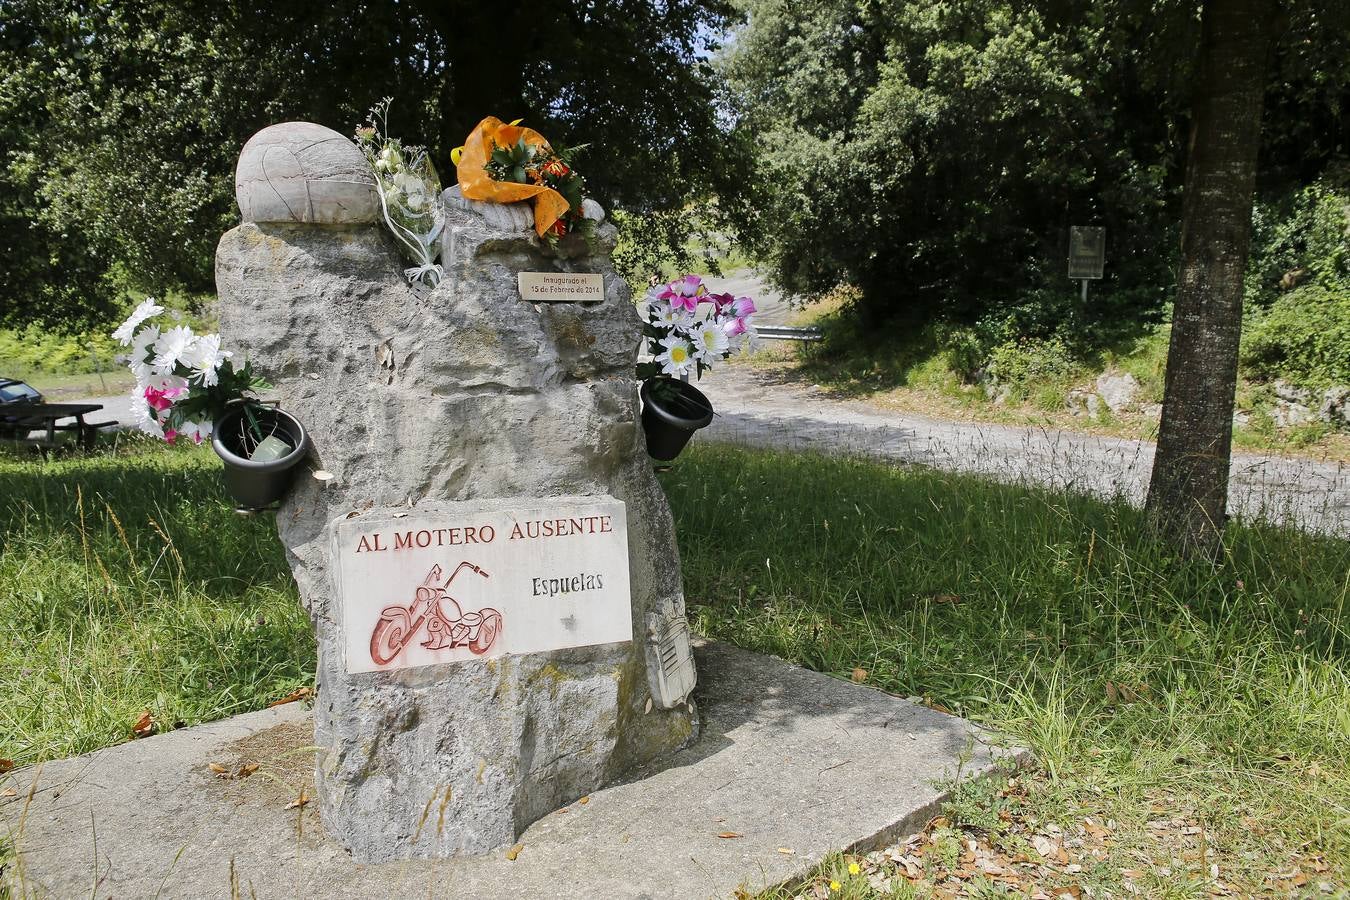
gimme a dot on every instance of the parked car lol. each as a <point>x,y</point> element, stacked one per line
<point>14,393</point>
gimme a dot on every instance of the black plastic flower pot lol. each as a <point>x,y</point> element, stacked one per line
<point>671,412</point>
<point>252,483</point>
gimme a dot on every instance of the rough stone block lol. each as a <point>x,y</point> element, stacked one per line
<point>416,397</point>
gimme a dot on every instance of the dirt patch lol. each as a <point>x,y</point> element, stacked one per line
<point>273,768</point>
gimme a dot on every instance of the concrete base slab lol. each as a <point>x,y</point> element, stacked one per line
<point>792,765</point>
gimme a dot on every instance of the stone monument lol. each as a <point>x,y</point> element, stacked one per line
<point>487,558</point>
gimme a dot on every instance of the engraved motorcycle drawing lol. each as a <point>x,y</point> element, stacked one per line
<point>446,623</point>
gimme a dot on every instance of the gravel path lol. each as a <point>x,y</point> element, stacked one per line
<point>768,410</point>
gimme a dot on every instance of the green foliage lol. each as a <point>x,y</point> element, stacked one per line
<point>1297,323</point>
<point>1300,236</point>
<point>1298,286</point>
<point>666,243</point>
<point>121,122</point>
<point>36,350</point>
<point>975,803</point>
<point>934,155</point>
<point>33,350</point>
<point>1020,362</point>
<point>1304,337</point>
<point>127,582</point>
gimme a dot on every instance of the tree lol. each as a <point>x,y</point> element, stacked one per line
<point>934,155</point>
<point>122,120</point>
<point>1188,492</point>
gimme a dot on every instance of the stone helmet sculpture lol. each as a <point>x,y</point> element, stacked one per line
<point>303,172</point>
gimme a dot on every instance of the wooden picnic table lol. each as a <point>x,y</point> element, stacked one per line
<point>18,419</point>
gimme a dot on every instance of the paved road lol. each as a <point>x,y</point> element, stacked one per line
<point>771,410</point>
<point>765,409</point>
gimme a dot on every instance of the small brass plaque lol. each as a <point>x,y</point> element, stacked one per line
<point>562,287</point>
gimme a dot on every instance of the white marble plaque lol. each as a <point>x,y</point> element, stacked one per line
<point>561,287</point>
<point>481,580</point>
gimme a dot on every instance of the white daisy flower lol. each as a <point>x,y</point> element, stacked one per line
<point>171,347</point>
<point>671,317</point>
<point>143,417</point>
<point>678,355</point>
<point>140,349</point>
<point>147,308</point>
<point>204,356</point>
<point>710,340</point>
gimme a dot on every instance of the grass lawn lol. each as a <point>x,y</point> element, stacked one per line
<point>1192,717</point>
<point>127,584</point>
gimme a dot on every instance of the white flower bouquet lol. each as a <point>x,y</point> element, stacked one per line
<point>410,195</point>
<point>184,381</point>
<point>689,329</point>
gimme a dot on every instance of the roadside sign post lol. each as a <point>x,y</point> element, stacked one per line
<point>1087,253</point>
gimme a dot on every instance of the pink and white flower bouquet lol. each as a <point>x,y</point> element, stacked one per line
<point>184,380</point>
<point>689,329</point>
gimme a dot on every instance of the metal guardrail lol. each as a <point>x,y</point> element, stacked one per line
<point>788,333</point>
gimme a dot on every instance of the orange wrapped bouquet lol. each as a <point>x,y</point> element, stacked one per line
<point>508,163</point>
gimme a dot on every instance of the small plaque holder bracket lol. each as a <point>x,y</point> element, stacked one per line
<point>670,661</point>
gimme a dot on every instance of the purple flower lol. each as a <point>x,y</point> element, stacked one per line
<point>684,293</point>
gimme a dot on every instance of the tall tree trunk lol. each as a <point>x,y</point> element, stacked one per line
<point>1188,493</point>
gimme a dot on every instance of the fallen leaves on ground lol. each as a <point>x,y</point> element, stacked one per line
<point>300,800</point>
<point>1076,860</point>
<point>729,834</point>
<point>9,792</point>
<point>859,675</point>
<point>6,765</point>
<point>243,771</point>
<point>144,725</point>
<point>514,851</point>
<point>303,693</point>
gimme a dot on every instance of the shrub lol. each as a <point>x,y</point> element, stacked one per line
<point>1297,238</point>
<point>31,350</point>
<point>1019,362</point>
<point>1304,337</point>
